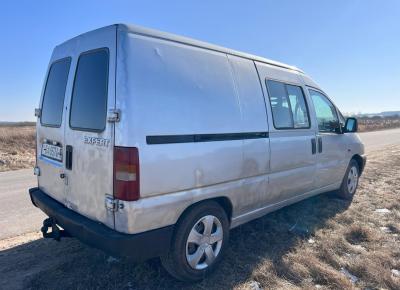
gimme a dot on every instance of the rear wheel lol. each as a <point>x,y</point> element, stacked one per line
<point>200,239</point>
<point>350,181</point>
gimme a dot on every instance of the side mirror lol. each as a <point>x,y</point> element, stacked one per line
<point>351,125</point>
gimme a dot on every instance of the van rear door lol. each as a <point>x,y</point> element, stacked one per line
<point>89,136</point>
<point>50,128</point>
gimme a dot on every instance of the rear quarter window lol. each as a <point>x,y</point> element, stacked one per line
<point>54,93</point>
<point>89,97</point>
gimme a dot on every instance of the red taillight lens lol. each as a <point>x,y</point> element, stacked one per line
<point>126,173</point>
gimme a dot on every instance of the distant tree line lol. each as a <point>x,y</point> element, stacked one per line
<point>372,123</point>
<point>17,124</point>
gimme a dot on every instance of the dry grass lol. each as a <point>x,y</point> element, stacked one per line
<point>367,124</point>
<point>17,147</point>
<point>331,236</point>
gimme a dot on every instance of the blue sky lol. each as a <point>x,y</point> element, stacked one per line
<point>350,47</point>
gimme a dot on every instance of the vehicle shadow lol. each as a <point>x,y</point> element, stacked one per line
<point>47,264</point>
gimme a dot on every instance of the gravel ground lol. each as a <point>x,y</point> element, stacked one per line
<point>320,243</point>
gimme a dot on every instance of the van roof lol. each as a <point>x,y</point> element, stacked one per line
<point>186,40</point>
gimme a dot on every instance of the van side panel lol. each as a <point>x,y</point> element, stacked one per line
<point>166,88</point>
<point>173,89</point>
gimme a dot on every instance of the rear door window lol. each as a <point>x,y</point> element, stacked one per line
<point>289,108</point>
<point>54,93</point>
<point>89,97</point>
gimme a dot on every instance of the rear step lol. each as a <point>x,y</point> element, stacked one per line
<point>56,233</point>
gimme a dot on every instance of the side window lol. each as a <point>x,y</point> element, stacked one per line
<point>89,97</point>
<point>54,93</point>
<point>298,106</point>
<point>280,105</point>
<point>326,112</point>
<point>289,109</point>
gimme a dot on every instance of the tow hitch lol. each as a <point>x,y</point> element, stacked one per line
<point>56,233</point>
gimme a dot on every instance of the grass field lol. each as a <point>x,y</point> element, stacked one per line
<point>17,147</point>
<point>320,243</point>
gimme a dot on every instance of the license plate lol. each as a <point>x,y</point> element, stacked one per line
<point>52,151</point>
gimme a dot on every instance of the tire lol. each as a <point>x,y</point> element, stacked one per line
<point>350,181</point>
<point>204,246</point>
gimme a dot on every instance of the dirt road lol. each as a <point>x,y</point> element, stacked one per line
<point>380,139</point>
<point>17,215</point>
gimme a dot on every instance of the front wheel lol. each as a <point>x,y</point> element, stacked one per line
<point>200,239</point>
<point>350,181</point>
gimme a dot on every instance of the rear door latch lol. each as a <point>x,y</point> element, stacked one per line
<point>64,177</point>
<point>113,204</point>
<point>114,115</point>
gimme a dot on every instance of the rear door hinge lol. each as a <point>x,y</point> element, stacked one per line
<point>36,171</point>
<point>38,112</point>
<point>114,115</point>
<point>113,204</point>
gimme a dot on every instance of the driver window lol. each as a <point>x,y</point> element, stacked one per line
<point>326,112</point>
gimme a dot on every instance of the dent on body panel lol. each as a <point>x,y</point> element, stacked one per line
<point>164,210</point>
<point>254,186</point>
<point>123,98</point>
<point>168,168</point>
<point>49,180</point>
<point>89,179</point>
<point>254,117</point>
<point>255,157</point>
<point>178,89</point>
<point>172,89</point>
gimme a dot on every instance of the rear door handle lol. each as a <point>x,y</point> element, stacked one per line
<point>68,157</point>
<point>319,144</point>
<point>313,146</point>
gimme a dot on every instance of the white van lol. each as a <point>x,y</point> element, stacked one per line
<point>151,144</point>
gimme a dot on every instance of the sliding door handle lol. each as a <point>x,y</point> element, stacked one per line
<point>313,146</point>
<point>319,144</point>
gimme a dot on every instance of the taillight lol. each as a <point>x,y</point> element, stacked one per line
<point>126,173</point>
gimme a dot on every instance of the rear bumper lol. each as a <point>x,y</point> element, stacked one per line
<point>138,247</point>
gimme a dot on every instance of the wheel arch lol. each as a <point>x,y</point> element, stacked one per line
<point>359,161</point>
<point>223,201</point>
